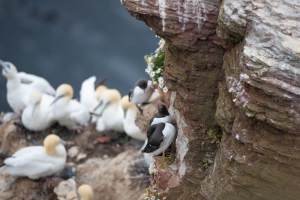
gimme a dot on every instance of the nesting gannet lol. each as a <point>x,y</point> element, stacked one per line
<point>20,85</point>
<point>37,115</point>
<point>90,94</point>
<point>67,111</point>
<point>110,112</point>
<point>37,161</point>
<point>130,114</point>
<point>162,116</point>
<point>159,138</point>
<point>141,92</point>
<point>86,192</point>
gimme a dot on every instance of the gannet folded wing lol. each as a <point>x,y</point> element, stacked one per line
<point>37,82</point>
<point>87,93</point>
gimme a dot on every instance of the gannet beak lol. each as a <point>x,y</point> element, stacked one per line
<point>94,114</point>
<point>2,63</point>
<point>98,106</point>
<point>56,99</point>
<point>130,95</point>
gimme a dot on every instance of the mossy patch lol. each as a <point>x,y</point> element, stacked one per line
<point>153,194</point>
<point>215,134</point>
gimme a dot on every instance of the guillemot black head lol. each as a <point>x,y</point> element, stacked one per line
<point>142,84</point>
<point>162,110</point>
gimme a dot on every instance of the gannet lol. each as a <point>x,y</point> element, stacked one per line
<point>162,115</point>
<point>159,138</point>
<point>36,162</point>
<point>90,94</point>
<point>141,92</point>
<point>86,192</point>
<point>130,114</point>
<point>110,112</point>
<point>20,85</point>
<point>37,116</point>
<point>67,111</point>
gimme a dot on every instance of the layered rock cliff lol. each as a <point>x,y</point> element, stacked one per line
<point>233,69</point>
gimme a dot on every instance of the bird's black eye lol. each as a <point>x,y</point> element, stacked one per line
<point>142,84</point>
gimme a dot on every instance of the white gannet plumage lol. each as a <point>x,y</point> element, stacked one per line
<point>39,83</point>
<point>36,162</point>
<point>67,111</point>
<point>130,115</point>
<point>110,111</point>
<point>20,86</point>
<point>88,93</point>
<point>37,116</point>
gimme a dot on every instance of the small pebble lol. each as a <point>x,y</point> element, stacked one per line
<point>81,156</point>
<point>73,152</point>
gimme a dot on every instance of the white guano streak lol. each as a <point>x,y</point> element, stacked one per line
<point>162,4</point>
<point>191,9</point>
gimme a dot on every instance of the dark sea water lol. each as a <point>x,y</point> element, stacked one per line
<point>67,41</point>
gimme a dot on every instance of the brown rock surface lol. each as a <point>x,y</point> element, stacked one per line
<point>117,178</point>
<point>250,49</point>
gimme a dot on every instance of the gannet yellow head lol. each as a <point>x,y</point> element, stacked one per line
<point>86,192</point>
<point>99,91</point>
<point>35,97</point>
<point>50,144</point>
<point>125,103</point>
<point>63,91</point>
<point>9,70</point>
<point>113,95</point>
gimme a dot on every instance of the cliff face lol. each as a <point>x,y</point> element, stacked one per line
<point>231,67</point>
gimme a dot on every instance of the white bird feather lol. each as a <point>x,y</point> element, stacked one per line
<point>34,162</point>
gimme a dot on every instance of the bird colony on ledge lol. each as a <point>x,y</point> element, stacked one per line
<point>38,106</point>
